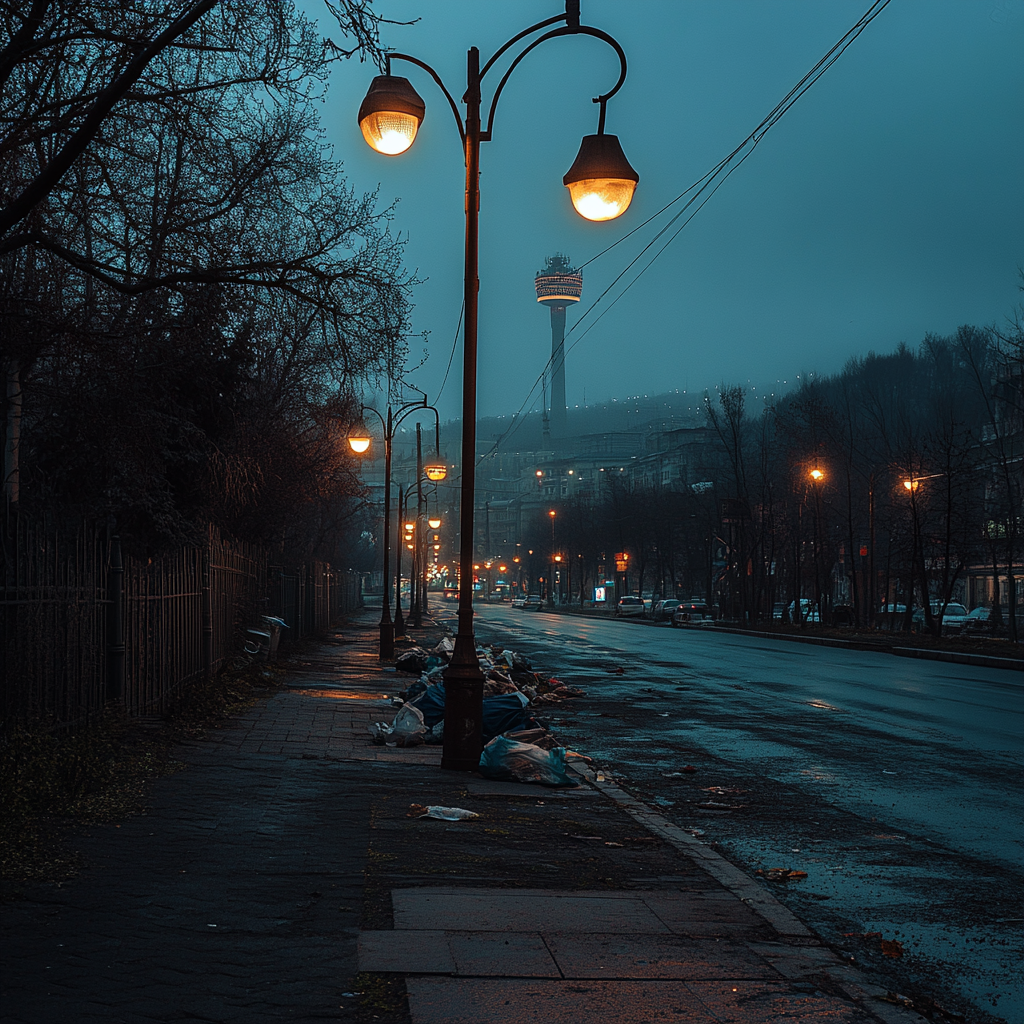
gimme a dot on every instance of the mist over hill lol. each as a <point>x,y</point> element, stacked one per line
<point>639,413</point>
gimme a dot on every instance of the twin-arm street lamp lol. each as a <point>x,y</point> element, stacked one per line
<point>359,441</point>
<point>601,185</point>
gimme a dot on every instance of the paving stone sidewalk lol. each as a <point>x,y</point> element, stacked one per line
<point>281,862</point>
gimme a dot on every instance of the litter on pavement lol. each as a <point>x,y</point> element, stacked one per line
<point>508,760</point>
<point>518,745</point>
<point>440,813</point>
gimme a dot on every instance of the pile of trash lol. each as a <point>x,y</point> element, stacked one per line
<point>504,672</point>
<point>518,745</point>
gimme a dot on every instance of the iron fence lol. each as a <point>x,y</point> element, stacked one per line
<point>80,626</point>
<point>53,628</point>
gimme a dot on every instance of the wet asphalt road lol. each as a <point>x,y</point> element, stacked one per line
<point>895,783</point>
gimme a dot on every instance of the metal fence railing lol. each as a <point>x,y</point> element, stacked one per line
<point>81,625</point>
<point>53,627</point>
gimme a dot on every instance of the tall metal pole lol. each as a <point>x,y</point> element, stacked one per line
<point>399,621</point>
<point>387,630</point>
<point>464,682</point>
<point>871,588</point>
<point>417,540</point>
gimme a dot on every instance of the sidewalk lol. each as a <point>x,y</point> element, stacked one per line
<point>279,877</point>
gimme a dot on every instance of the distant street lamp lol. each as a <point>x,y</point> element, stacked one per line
<point>359,441</point>
<point>601,185</point>
<point>551,576</point>
<point>817,476</point>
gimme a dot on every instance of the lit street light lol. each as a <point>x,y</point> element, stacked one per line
<point>601,184</point>
<point>359,441</point>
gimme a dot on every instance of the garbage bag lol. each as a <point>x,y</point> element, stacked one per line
<point>408,730</point>
<point>501,713</point>
<point>431,704</point>
<point>505,712</point>
<point>511,761</point>
<point>521,663</point>
<point>412,660</point>
<point>380,732</point>
<point>415,689</point>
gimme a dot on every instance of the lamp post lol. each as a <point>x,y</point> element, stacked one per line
<point>601,184</point>
<point>551,562</point>
<point>359,441</point>
<point>817,476</point>
<point>434,522</point>
<point>911,485</point>
<point>400,539</point>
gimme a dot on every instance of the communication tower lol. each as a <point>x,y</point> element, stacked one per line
<point>557,286</point>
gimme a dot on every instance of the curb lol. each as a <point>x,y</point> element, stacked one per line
<point>788,926</point>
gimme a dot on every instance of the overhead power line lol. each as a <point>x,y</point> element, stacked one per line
<point>710,183</point>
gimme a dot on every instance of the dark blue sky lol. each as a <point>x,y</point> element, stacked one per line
<point>888,203</point>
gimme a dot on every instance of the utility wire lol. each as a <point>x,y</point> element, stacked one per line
<point>749,144</point>
<point>455,344</point>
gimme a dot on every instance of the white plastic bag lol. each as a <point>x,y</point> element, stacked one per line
<point>408,729</point>
<point>441,813</point>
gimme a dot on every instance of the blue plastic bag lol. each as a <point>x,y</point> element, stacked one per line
<point>511,761</point>
<point>505,712</point>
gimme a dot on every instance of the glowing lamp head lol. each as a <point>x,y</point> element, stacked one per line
<point>601,183</point>
<point>409,527</point>
<point>436,471</point>
<point>816,475</point>
<point>434,522</point>
<point>391,114</point>
<point>359,441</point>
<point>911,485</point>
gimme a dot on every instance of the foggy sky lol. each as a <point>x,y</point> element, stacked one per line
<point>888,203</point>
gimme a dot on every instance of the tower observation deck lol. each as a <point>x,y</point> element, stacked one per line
<point>557,286</point>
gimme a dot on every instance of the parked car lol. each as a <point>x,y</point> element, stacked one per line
<point>952,622</point>
<point>979,623</point>
<point>690,613</point>
<point>518,601</point>
<point>662,611</point>
<point>630,606</point>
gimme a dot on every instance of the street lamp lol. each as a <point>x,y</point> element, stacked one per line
<point>600,184</point>
<point>359,441</point>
